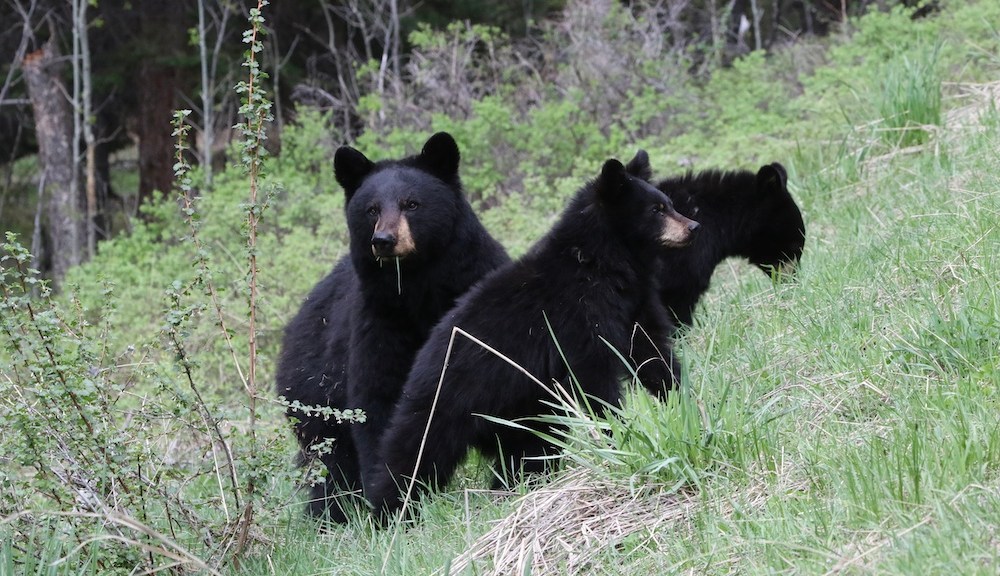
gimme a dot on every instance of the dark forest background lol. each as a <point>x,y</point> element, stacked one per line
<point>89,87</point>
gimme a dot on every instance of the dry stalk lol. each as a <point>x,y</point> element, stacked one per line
<point>562,527</point>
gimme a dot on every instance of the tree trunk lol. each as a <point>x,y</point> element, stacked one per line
<point>53,129</point>
<point>755,13</point>
<point>157,85</point>
<point>772,34</point>
<point>91,196</point>
<point>84,120</point>
<point>207,95</point>
<point>163,39</point>
<point>105,131</point>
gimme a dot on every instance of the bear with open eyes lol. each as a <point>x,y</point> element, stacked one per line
<point>415,247</point>
<point>742,214</point>
<point>559,313</point>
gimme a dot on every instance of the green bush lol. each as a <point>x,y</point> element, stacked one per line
<point>121,440</point>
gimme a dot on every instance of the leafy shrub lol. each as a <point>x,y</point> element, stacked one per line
<point>137,440</point>
<point>116,440</point>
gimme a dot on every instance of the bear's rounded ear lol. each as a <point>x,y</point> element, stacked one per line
<point>639,166</point>
<point>350,167</point>
<point>611,181</point>
<point>440,156</point>
<point>772,178</point>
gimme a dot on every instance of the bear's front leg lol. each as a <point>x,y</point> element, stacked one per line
<point>380,356</point>
<point>413,451</point>
<point>652,351</point>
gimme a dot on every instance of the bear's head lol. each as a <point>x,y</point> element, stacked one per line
<point>401,209</point>
<point>780,237</point>
<point>644,215</point>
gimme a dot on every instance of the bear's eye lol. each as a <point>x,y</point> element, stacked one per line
<point>658,208</point>
<point>411,205</point>
<point>372,210</point>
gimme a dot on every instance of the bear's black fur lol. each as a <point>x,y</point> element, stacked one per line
<point>557,311</point>
<point>742,214</point>
<point>415,247</point>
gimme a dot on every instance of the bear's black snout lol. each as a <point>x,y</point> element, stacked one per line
<point>383,243</point>
<point>693,226</point>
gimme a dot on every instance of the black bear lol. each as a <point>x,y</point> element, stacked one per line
<point>558,313</point>
<point>415,247</point>
<point>742,214</point>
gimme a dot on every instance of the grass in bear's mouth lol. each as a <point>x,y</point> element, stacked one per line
<point>399,271</point>
<point>399,278</point>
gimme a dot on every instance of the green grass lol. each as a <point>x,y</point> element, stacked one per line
<point>911,98</point>
<point>854,413</point>
<point>856,409</point>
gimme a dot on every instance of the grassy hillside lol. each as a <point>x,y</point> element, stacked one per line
<point>846,422</point>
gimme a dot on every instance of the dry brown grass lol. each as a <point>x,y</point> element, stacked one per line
<point>560,528</point>
<point>563,527</point>
<point>977,99</point>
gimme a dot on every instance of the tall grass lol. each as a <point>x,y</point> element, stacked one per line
<point>910,102</point>
<point>844,422</point>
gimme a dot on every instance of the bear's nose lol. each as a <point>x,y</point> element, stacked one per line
<point>383,242</point>
<point>693,226</point>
